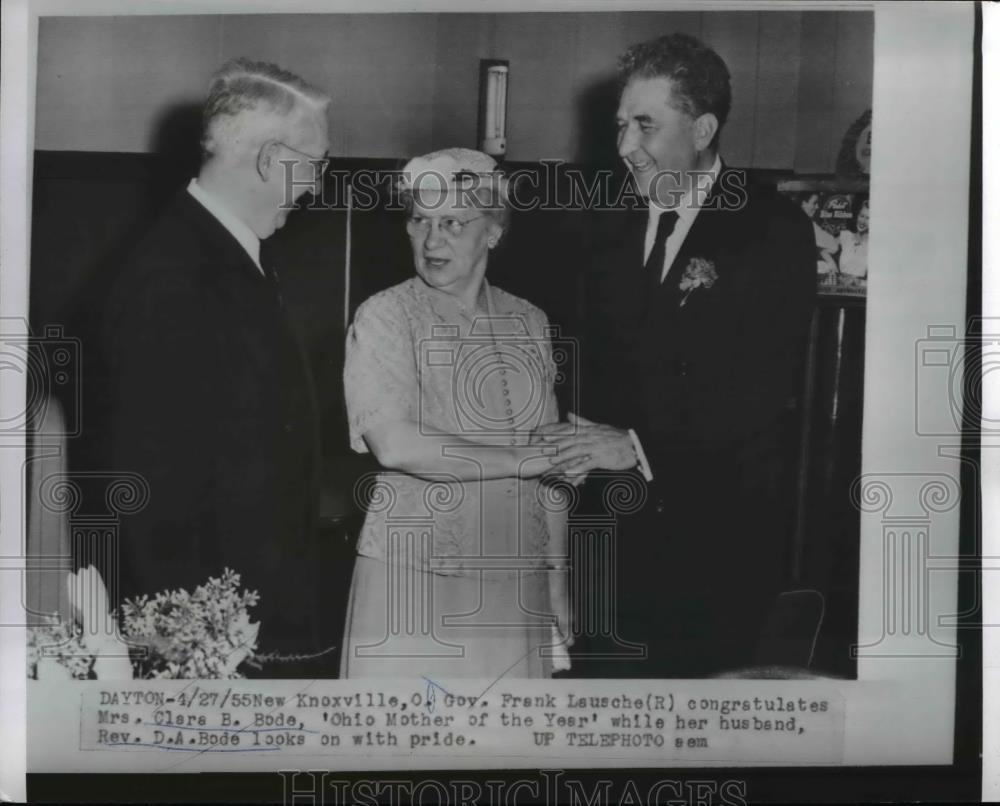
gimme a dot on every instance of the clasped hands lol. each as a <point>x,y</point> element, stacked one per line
<point>581,446</point>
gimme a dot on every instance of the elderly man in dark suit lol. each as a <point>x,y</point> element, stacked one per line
<point>207,394</point>
<point>697,310</point>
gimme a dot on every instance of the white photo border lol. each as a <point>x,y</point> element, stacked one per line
<point>921,168</point>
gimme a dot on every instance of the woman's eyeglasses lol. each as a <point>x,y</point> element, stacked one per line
<point>453,227</point>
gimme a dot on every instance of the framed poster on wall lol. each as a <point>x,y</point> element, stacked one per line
<point>838,209</point>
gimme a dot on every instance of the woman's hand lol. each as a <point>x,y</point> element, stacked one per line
<point>425,452</point>
<point>535,461</point>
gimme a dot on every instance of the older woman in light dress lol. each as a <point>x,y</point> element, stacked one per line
<point>461,568</point>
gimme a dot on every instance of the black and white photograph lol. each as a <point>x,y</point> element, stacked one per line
<point>480,388</point>
<point>839,214</point>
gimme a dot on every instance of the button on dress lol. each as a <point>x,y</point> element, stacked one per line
<point>450,578</point>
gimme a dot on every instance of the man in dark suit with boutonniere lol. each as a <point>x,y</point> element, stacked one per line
<point>207,393</point>
<point>697,311</point>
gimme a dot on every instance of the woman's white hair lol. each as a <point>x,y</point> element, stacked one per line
<point>249,101</point>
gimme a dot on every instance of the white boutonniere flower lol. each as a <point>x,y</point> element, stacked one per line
<point>699,273</point>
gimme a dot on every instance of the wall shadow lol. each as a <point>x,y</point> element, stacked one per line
<point>595,120</point>
<point>176,141</point>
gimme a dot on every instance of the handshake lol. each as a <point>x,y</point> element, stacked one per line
<point>574,448</point>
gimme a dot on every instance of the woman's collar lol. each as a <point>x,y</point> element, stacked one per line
<point>446,303</point>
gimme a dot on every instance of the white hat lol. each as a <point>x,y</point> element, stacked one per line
<point>449,168</point>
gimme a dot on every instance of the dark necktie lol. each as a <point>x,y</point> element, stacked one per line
<point>270,272</point>
<point>654,263</point>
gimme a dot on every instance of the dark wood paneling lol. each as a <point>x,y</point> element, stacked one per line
<point>826,556</point>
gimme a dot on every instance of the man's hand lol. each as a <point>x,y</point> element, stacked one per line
<point>548,433</point>
<point>559,600</point>
<point>585,446</point>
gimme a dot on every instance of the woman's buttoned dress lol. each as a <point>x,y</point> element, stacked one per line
<point>450,579</point>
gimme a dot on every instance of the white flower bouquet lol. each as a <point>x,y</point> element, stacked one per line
<point>204,634</point>
<point>79,649</point>
<point>56,652</point>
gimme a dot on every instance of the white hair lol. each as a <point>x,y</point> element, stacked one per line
<point>251,101</point>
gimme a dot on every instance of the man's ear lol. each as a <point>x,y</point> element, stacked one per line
<point>265,157</point>
<point>705,127</point>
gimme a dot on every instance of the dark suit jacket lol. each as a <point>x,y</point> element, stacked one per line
<point>707,385</point>
<point>206,394</point>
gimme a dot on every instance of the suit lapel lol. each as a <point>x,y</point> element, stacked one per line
<point>620,281</point>
<point>634,239</point>
<point>716,230</point>
<point>702,241</point>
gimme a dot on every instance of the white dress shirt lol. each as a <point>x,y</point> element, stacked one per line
<point>687,211</point>
<point>240,231</point>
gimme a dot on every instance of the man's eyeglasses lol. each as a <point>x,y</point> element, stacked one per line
<point>320,164</point>
<point>453,227</point>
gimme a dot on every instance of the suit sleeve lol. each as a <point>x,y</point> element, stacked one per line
<point>164,375</point>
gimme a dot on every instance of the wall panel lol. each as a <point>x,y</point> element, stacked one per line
<point>733,35</point>
<point>775,119</point>
<point>403,84</point>
<point>108,83</point>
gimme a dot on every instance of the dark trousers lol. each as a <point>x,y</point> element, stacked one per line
<point>694,581</point>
